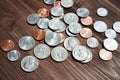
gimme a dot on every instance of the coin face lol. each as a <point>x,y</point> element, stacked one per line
<point>67,3</point>
<point>70,34</point>
<point>87,21</point>
<point>102,12</point>
<point>43,23</point>
<point>42,51</point>
<point>59,54</point>
<point>110,44</point>
<point>86,32</point>
<point>26,43</point>
<point>116,26</point>
<point>92,42</point>
<point>7,45</point>
<point>82,12</point>
<point>110,33</point>
<point>49,1</point>
<point>62,27</point>
<point>29,63</point>
<point>43,12</point>
<point>32,19</point>
<point>70,43</point>
<point>13,55</point>
<point>62,37</point>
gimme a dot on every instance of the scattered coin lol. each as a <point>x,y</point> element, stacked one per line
<point>57,3</point>
<point>110,33</point>
<point>43,23</point>
<point>29,63</point>
<point>33,19</point>
<point>86,32</point>
<point>62,27</point>
<point>92,42</point>
<point>67,3</point>
<point>7,45</point>
<point>102,12</point>
<point>43,12</point>
<point>70,34</point>
<point>58,17</point>
<point>87,21</point>
<point>47,31</point>
<point>82,12</point>
<point>62,37</point>
<point>49,1</point>
<point>116,26</point>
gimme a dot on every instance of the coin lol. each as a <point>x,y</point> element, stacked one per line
<point>100,26</point>
<point>26,43</point>
<point>32,19</point>
<point>86,32</point>
<point>43,12</point>
<point>110,33</point>
<point>62,27</point>
<point>67,3</point>
<point>110,44</point>
<point>70,34</point>
<point>49,1</point>
<point>57,3</point>
<point>29,63</point>
<point>116,26</point>
<point>82,12</point>
<point>58,17</point>
<point>13,55</point>
<point>105,55</point>
<point>43,23</point>
<point>70,43</point>
<point>92,42</point>
<point>7,45</point>
<point>47,31</point>
<point>39,34</point>
<point>62,37</point>
<point>59,54</point>
<point>102,12</point>
<point>42,51</point>
<point>87,21</point>
<point>70,18</point>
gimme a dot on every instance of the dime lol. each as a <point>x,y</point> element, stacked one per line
<point>49,1</point>
<point>29,63</point>
<point>116,26</point>
<point>33,19</point>
<point>92,42</point>
<point>43,23</point>
<point>86,32</point>
<point>62,27</point>
<point>87,21</point>
<point>43,12</point>
<point>102,12</point>
<point>42,51</point>
<point>13,55</point>
<point>57,3</point>
<point>67,3</point>
<point>70,43</point>
<point>110,33</point>
<point>70,34</point>
<point>59,54</point>
<point>62,37</point>
<point>26,43</point>
<point>82,12</point>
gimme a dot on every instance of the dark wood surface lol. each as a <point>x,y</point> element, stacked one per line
<point>13,26</point>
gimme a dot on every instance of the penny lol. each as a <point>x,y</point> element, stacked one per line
<point>86,32</point>
<point>57,3</point>
<point>92,42</point>
<point>43,23</point>
<point>43,12</point>
<point>62,37</point>
<point>105,55</point>
<point>102,12</point>
<point>29,63</point>
<point>110,33</point>
<point>7,45</point>
<point>39,34</point>
<point>32,19</point>
<point>70,34</point>
<point>67,3</point>
<point>13,55</point>
<point>87,21</point>
<point>49,1</point>
<point>116,26</point>
<point>82,12</point>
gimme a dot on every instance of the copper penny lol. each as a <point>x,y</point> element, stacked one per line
<point>62,37</point>
<point>39,34</point>
<point>105,55</point>
<point>43,12</point>
<point>86,32</point>
<point>87,21</point>
<point>57,3</point>
<point>7,45</point>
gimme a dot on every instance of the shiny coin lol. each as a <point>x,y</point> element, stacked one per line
<point>62,27</point>
<point>116,26</point>
<point>42,51</point>
<point>69,33</point>
<point>49,1</point>
<point>13,55</point>
<point>86,32</point>
<point>59,54</point>
<point>47,31</point>
<point>87,21</point>
<point>58,17</point>
<point>7,45</point>
<point>71,18</point>
<point>102,12</point>
<point>67,3</point>
<point>110,44</point>
<point>110,33</point>
<point>26,43</point>
<point>62,37</point>
<point>70,43</point>
<point>92,42</point>
<point>43,23</point>
<point>29,63</point>
<point>33,19</point>
<point>105,55</point>
<point>57,3</point>
<point>82,12</point>
<point>43,12</point>
<point>100,26</point>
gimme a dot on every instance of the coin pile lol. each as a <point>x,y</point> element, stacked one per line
<point>51,31</point>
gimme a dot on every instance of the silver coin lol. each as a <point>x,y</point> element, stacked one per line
<point>70,18</point>
<point>100,26</point>
<point>29,63</point>
<point>110,33</point>
<point>67,3</point>
<point>116,26</point>
<point>59,17</point>
<point>70,43</point>
<point>110,44</point>
<point>92,42</point>
<point>42,51</point>
<point>33,19</point>
<point>13,55</point>
<point>59,54</point>
<point>49,1</point>
<point>47,31</point>
<point>26,43</point>
<point>102,12</point>
<point>82,12</point>
<point>70,34</point>
<point>43,23</point>
<point>52,39</point>
<point>75,28</point>
<point>62,27</point>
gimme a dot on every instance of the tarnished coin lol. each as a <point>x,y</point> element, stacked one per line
<point>62,27</point>
<point>110,33</point>
<point>62,37</point>
<point>49,1</point>
<point>70,34</point>
<point>43,23</point>
<point>43,12</point>
<point>100,26</point>
<point>110,44</point>
<point>13,55</point>
<point>92,42</point>
<point>116,26</point>
<point>102,12</point>
<point>42,51</point>
<point>87,21</point>
<point>26,43</point>
<point>71,18</point>
<point>82,12</point>
<point>67,3</point>
<point>33,19</point>
<point>59,54</point>
<point>70,43</point>
<point>57,3</point>
<point>58,17</point>
<point>29,63</point>
<point>86,32</point>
